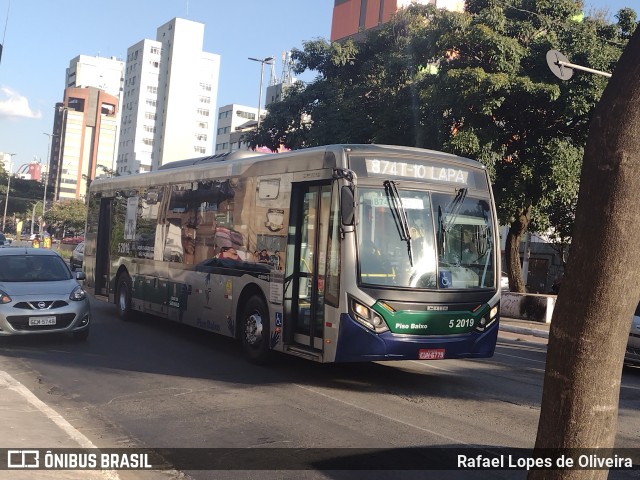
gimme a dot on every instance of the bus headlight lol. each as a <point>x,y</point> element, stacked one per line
<point>488,319</point>
<point>366,317</point>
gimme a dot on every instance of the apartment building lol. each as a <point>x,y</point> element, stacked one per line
<point>233,120</point>
<point>169,99</point>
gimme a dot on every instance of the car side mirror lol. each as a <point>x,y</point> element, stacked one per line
<point>81,276</point>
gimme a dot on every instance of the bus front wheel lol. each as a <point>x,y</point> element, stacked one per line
<point>254,330</point>
<point>123,297</point>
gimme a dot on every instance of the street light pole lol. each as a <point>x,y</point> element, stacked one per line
<point>268,61</point>
<point>46,178</point>
<point>6,200</point>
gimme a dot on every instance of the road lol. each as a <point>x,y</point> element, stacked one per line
<point>156,384</point>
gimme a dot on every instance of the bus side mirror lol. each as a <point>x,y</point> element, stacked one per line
<point>347,205</point>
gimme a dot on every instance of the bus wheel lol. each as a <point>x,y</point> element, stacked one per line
<point>254,331</point>
<point>123,297</point>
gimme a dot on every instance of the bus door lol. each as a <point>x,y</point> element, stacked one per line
<point>306,264</point>
<point>102,247</point>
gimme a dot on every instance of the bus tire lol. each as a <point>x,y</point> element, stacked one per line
<point>254,330</point>
<point>123,297</point>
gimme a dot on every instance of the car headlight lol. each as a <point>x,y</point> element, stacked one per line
<point>78,294</point>
<point>4,298</point>
<point>367,317</point>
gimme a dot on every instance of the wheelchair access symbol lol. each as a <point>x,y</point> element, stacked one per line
<point>23,459</point>
<point>445,279</point>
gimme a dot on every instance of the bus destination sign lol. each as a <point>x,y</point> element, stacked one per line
<point>416,171</point>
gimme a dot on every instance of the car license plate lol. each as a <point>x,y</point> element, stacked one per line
<point>431,354</point>
<point>35,321</point>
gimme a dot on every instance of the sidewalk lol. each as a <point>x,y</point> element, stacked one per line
<point>30,424</point>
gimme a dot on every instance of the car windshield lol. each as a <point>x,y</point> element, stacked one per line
<point>447,240</point>
<point>33,268</point>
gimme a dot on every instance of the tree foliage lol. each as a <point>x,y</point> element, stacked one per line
<point>475,84</point>
<point>68,215</point>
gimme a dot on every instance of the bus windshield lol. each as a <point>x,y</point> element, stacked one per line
<point>449,243</point>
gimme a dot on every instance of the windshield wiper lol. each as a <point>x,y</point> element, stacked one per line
<point>399,215</point>
<point>447,219</point>
<point>452,210</point>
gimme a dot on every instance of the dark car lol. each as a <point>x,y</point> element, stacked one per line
<point>39,295</point>
<point>3,240</point>
<point>77,257</point>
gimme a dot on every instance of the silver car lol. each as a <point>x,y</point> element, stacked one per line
<point>632,355</point>
<point>39,294</point>
<point>77,257</point>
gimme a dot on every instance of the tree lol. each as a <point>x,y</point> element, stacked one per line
<point>495,99</point>
<point>474,83</point>
<point>70,215</point>
<point>591,319</point>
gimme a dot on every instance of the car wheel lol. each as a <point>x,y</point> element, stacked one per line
<point>82,335</point>
<point>254,330</point>
<point>123,297</point>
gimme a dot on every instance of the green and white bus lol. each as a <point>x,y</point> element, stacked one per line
<point>342,253</point>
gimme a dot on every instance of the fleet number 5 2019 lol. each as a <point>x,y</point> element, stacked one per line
<point>461,323</point>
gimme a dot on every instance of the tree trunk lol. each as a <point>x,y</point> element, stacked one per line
<point>600,290</point>
<point>512,249</point>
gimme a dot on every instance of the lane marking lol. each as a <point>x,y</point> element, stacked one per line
<point>7,381</point>
<point>521,358</point>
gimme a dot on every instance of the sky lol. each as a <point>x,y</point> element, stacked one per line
<point>42,36</point>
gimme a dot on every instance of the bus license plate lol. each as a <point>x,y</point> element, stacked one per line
<point>431,354</point>
<point>35,321</point>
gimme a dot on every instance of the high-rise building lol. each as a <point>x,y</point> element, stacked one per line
<point>169,99</point>
<point>351,17</point>
<point>104,73</point>
<point>83,142</point>
<point>85,125</point>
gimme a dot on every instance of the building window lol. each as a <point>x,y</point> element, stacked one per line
<point>205,86</point>
<point>200,149</point>
<point>155,50</point>
<point>204,125</point>
<point>247,115</point>
<point>203,111</point>
<point>201,137</point>
<point>206,100</point>
<point>151,102</point>
<point>152,89</point>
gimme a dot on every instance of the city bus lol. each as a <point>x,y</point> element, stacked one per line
<point>341,253</point>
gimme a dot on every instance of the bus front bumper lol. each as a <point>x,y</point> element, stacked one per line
<point>358,344</point>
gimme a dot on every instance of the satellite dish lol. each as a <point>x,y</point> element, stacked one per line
<point>556,62</point>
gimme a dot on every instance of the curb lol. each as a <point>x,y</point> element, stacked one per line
<point>524,331</point>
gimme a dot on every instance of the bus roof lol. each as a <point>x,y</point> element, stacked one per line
<point>255,157</point>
